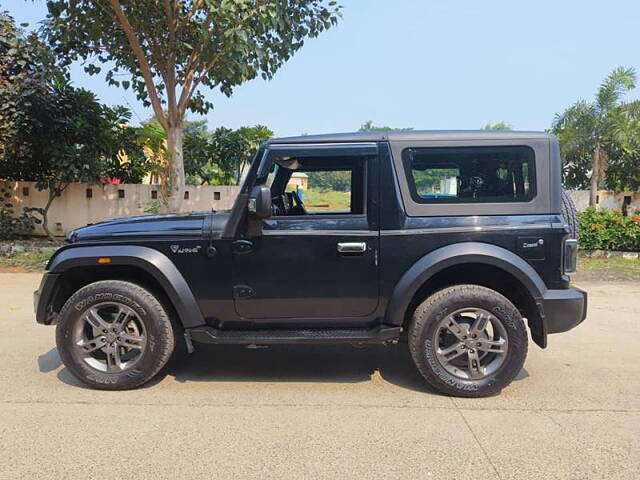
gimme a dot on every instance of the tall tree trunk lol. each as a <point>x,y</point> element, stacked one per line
<point>595,176</point>
<point>53,193</point>
<point>175,190</point>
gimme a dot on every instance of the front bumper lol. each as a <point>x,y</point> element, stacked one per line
<point>563,310</point>
<point>42,299</point>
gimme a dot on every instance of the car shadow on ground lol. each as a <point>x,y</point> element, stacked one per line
<point>282,363</point>
<point>300,363</point>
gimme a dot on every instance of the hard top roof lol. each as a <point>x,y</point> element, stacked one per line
<point>410,135</point>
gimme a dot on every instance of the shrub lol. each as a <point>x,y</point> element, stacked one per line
<point>12,226</point>
<point>602,229</point>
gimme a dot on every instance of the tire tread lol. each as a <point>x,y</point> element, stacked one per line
<point>420,320</point>
<point>570,215</point>
<point>159,316</point>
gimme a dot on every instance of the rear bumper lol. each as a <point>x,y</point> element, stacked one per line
<point>563,310</point>
<point>42,298</point>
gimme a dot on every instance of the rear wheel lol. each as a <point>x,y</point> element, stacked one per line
<point>468,341</point>
<point>114,335</point>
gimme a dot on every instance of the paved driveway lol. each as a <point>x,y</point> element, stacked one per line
<point>324,412</point>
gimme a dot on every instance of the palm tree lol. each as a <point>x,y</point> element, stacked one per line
<point>592,130</point>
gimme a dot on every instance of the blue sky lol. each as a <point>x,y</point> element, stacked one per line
<point>426,64</point>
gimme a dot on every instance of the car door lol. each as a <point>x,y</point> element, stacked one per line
<point>320,267</point>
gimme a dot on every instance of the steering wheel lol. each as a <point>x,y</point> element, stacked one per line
<point>278,206</point>
<point>299,204</point>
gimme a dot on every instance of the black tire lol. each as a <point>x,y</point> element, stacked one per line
<point>424,327</point>
<point>159,334</point>
<point>570,215</point>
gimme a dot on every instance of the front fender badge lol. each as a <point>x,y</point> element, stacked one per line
<point>181,250</point>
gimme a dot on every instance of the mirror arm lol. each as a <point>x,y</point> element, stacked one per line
<point>258,208</point>
<point>254,226</point>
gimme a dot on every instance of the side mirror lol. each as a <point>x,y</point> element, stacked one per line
<point>260,202</point>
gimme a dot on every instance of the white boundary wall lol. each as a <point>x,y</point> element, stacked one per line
<point>606,199</point>
<point>74,208</point>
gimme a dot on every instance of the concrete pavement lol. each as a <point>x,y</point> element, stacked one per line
<point>324,411</point>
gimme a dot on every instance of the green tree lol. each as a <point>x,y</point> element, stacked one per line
<point>74,140</point>
<point>502,125</point>
<point>28,76</point>
<point>153,139</point>
<point>368,126</point>
<point>167,50</point>
<point>338,181</point>
<point>80,139</point>
<point>589,132</point>
<point>51,132</point>
<point>623,171</point>
<point>218,157</point>
<point>127,162</point>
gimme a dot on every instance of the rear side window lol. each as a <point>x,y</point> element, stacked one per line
<point>470,174</point>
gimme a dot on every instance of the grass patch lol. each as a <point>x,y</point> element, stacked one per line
<point>25,262</point>
<point>316,201</point>
<point>607,269</point>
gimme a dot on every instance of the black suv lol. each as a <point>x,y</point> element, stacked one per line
<point>445,240</point>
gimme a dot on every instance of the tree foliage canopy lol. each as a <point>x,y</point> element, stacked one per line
<point>167,50</point>
<point>502,125</point>
<point>218,157</point>
<point>600,140</point>
<point>51,132</point>
<point>338,181</point>
<point>155,47</point>
<point>369,126</point>
<point>28,77</point>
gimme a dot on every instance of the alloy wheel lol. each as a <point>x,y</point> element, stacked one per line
<point>110,337</point>
<point>471,343</point>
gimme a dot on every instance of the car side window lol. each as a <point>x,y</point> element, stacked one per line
<point>470,174</point>
<point>324,185</point>
<point>324,191</point>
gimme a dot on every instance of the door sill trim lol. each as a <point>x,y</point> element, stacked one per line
<point>379,334</point>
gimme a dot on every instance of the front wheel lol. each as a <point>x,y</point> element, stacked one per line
<point>468,341</point>
<point>114,335</point>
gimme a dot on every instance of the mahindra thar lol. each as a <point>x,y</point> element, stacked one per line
<point>451,242</point>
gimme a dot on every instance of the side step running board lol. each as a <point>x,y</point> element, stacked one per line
<point>275,336</point>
